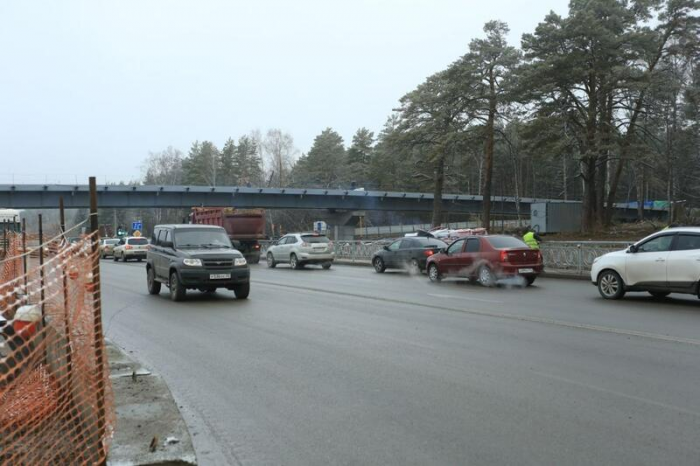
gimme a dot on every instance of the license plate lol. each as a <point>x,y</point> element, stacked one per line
<point>526,271</point>
<point>219,276</point>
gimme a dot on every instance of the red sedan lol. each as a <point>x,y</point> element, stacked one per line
<point>486,259</point>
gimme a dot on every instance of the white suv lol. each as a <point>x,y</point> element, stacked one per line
<point>299,249</point>
<point>663,263</point>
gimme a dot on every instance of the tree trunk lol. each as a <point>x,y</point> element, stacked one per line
<point>488,152</point>
<point>589,193</point>
<point>640,192</point>
<point>439,180</point>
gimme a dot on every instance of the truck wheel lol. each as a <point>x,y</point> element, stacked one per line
<point>242,291</point>
<point>153,284</point>
<point>271,261</point>
<point>177,290</point>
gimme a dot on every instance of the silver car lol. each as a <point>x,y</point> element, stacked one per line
<point>299,249</point>
<point>107,246</point>
<point>133,247</point>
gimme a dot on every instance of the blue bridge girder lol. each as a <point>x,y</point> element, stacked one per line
<point>37,196</point>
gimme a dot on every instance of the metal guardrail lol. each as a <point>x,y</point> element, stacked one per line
<point>573,257</point>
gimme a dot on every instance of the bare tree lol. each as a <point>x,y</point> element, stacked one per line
<point>279,152</point>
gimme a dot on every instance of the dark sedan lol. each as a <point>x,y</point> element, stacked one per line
<point>406,253</point>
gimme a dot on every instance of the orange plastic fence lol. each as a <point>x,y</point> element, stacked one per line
<point>56,404</point>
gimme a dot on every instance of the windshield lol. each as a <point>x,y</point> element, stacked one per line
<point>505,242</point>
<point>202,238</point>
<point>111,241</point>
<point>314,239</point>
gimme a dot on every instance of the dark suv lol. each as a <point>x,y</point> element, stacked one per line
<point>195,257</point>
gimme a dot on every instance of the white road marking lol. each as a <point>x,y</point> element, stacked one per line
<point>465,298</point>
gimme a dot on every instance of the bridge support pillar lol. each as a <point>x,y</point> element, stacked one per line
<point>342,223</point>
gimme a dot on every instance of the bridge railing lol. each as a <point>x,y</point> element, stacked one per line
<point>568,257</point>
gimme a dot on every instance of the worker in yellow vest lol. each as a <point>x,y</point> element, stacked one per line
<point>532,239</point>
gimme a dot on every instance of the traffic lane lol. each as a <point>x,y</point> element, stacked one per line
<point>302,377</point>
<point>565,300</point>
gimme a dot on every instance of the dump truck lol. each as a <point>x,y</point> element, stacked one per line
<point>245,227</point>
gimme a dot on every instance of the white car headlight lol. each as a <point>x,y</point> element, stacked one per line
<point>192,262</point>
<point>240,261</point>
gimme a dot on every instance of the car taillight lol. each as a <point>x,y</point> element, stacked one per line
<point>539,255</point>
<point>428,252</point>
<point>257,246</point>
<point>504,256</point>
<point>128,247</point>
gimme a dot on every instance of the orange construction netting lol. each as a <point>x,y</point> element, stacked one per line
<point>56,403</point>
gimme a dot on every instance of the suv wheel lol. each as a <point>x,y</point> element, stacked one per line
<point>153,284</point>
<point>326,265</point>
<point>294,262</point>
<point>434,273</point>
<point>271,261</point>
<point>242,291</point>
<point>177,290</point>
<point>610,285</point>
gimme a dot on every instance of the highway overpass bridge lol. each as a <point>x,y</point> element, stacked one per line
<point>37,196</point>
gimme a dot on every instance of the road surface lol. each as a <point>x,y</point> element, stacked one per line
<point>351,367</point>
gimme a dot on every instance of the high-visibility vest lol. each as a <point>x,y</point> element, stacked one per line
<point>530,240</point>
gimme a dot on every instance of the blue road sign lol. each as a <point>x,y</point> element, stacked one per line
<point>136,226</point>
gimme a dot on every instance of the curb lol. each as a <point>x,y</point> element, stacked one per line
<point>149,428</point>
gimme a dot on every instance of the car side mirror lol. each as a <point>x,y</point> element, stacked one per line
<point>632,249</point>
<point>386,248</point>
<point>443,250</point>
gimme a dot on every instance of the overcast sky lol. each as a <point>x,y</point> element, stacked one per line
<point>90,87</point>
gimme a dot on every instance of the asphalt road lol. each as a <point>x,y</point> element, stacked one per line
<point>350,367</point>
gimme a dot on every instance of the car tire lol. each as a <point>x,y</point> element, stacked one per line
<point>326,266</point>
<point>414,267</point>
<point>486,277</point>
<point>379,265</point>
<point>153,284</point>
<point>177,290</point>
<point>610,285</point>
<point>530,280</point>
<point>294,262</point>
<point>659,294</point>
<point>115,258</point>
<point>434,274</point>
<point>242,291</point>
<point>271,261</point>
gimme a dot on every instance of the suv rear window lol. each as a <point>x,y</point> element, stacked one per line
<point>138,241</point>
<point>505,242</point>
<point>314,239</point>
